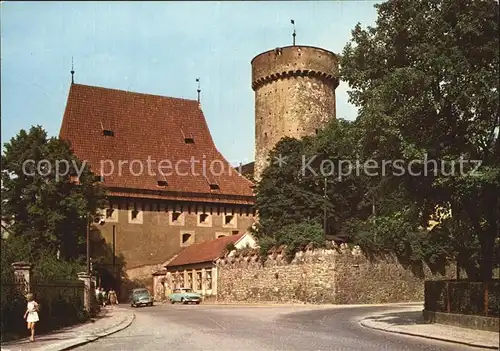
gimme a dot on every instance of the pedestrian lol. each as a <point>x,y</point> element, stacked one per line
<point>113,300</point>
<point>31,314</point>
<point>103,297</point>
<point>97,295</point>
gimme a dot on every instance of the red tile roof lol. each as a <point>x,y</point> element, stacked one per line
<point>207,251</point>
<point>149,126</point>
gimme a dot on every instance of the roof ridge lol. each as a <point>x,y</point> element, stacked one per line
<point>135,92</point>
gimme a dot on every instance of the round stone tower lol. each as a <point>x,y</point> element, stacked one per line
<point>294,95</point>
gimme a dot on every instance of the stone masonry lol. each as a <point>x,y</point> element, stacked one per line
<point>294,95</point>
<point>338,275</point>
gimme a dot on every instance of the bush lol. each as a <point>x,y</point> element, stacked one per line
<point>60,304</point>
<point>295,237</point>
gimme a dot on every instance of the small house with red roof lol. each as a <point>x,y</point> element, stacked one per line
<point>195,266</point>
<point>168,187</point>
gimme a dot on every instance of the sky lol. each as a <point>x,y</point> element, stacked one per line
<point>160,48</point>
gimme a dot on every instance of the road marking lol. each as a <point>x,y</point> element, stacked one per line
<point>217,323</point>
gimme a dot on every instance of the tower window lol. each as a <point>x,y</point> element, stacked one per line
<point>189,140</point>
<point>107,132</point>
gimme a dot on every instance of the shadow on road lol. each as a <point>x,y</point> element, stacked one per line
<point>400,318</point>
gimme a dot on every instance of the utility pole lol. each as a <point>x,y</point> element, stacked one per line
<point>114,250</point>
<point>324,209</point>
<point>87,225</point>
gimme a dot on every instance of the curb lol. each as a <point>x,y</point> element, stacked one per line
<point>119,327</point>
<point>427,336</point>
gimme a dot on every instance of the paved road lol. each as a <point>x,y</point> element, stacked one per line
<point>249,328</point>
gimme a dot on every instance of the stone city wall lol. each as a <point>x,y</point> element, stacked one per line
<point>338,275</point>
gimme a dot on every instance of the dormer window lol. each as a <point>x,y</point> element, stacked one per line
<point>214,187</point>
<point>162,183</point>
<point>108,132</point>
<point>189,140</point>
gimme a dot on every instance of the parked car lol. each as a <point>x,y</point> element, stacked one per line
<point>184,295</point>
<point>141,297</point>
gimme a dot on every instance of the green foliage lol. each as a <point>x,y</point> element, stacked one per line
<point>230,247</point>
<point>59,306</point>
<point>49,211</point>
<point>295,237</point>
<point>266,243</point>
<point>46,216</point>
<point>426,81</point>
<point>293,192</point>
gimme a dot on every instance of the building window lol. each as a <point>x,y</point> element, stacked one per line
<point>110,215</point>
<point>189,140</point>
<point>135,216</point>
<point>176,218</point>
<point>107,132</point>
<point>229,221</point>
<point>220,235</point>
<point>198,280</point>
<point>187,238</point>
<point>204,220</point>
<point>209,280</point>
<point>235,232</point>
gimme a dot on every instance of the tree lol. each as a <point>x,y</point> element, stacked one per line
<point>46,208</point>
<point>292,187</point>
<point>426,81</point>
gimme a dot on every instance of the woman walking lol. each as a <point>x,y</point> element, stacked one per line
<point>31,314</point>
<point>113,300</point>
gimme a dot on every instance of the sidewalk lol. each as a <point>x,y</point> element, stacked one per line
<point>410,321</point>
<point>112,320</point>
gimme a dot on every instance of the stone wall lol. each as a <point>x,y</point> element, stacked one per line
<point>338,275</point>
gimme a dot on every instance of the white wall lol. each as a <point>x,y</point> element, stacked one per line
<point>246,240</point>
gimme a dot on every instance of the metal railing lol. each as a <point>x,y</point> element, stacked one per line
<point>463,297</point>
